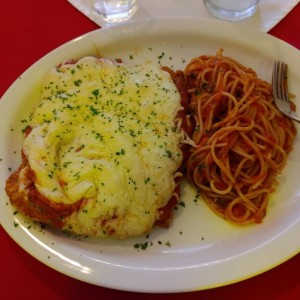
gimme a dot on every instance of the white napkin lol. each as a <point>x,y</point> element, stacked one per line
<point>268,14</point>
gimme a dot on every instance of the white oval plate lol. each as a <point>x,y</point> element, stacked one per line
<point>199,250</point>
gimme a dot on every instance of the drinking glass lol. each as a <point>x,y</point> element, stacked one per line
<point>114,10</point>
<point>231,10</point>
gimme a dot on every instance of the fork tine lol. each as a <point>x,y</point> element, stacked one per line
<point>284,87</point>
<point>280,90</point>
<point>278,80</point>
<point>275,80</point>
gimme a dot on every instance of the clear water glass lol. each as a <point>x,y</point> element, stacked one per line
<point>231,10</point>
<point>114,10</point>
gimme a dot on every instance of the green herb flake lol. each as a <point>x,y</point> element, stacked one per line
<point>121,152</point>
<point>162,55</point>
<point>94,111</point>
<point>78,82</point>
<point>95,93</point>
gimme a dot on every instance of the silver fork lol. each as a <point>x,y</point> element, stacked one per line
<point>280,90</point>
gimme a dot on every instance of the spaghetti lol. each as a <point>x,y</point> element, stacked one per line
<point>241,138</point>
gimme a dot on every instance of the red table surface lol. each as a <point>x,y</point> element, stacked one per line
<point>28,31</point>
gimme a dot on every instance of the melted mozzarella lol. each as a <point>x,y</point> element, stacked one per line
<point>104,132</point>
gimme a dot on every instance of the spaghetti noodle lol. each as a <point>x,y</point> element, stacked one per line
<point>241,138</point>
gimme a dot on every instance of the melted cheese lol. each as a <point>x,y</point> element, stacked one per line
<point>104,132</point>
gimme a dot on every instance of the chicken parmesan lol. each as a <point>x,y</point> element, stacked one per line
<point>102,150</point>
